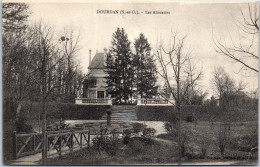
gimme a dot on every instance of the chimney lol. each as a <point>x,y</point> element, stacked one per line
<point>105,56</point>
<point>89,57</point>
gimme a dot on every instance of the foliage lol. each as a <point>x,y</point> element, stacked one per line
<point>145,69</point>
<point>138,127</point>
<point>22,125</point>
<point>103,143</point>
<point>58,126</point>
<point>171,126</point>
<point>35,63</point>
<point>127,135</point>
<point>223,138</point>
<point>14,16</point>
<point>189,118</point>
<point>120,68</point>
<point>148,132</point>
<point>204,144</point>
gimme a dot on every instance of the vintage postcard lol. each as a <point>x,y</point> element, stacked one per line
<point>130,82</point>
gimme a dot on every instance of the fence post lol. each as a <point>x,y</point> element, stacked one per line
<point>71,141</point>
<point>80,139</point>
<point>47,144</point>
<point>89,139</point>
<point>33,142</point>
<point>60,140</point>
<point>14,145</point>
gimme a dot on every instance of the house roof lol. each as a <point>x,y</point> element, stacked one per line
<point>97,62</point>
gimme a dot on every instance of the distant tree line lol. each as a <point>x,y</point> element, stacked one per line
<point>38,65</point>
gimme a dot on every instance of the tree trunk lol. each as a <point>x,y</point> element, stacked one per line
<point>18,110</point>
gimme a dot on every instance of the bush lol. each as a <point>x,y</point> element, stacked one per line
<point>171,126</point>
<point>137,145</point>
<point>138,127</point>
<point>107,144</point>
<point>59,126</point>
<point>189,118</point>
<point>153,113</point>
<point>223,138</point>
<point>126,139</point>
<point>22,126</point>
<point>127,135</point>
<point>57,110</point>
<point>148,132</point>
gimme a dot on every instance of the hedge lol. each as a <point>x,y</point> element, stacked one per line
<point>198,112</point>
<point>66,111</point>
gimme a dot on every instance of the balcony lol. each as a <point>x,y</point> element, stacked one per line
<point>93,101</point>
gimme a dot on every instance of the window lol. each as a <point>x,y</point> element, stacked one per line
<point>101,94</point>
<point>93,83</point>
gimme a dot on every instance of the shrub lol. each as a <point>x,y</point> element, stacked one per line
<point>223,138</point>
<point>111,147</point>
<point>171,126</point>
<point>126,139</point>
<point>137,127</point>
<point>204,144</point>
<point>137,145</point>
<point>59,126</point>
<point>184,140</point>
<point>148,132</point>
<point>22,126</point>
<point>105,143</point>
<point>189,118</point>
<point>127,135</point>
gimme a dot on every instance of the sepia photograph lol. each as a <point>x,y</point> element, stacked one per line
<point>130,82</point>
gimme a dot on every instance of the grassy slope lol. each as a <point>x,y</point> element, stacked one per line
<point>136,152</point>
<point>164,152</point>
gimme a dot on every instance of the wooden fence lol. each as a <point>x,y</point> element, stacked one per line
<point>26,144</point>
<point>57,141</point>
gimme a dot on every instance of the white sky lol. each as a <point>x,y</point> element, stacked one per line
<point>196,20</point>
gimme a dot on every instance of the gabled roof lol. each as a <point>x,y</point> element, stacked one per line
<point>97,62</point>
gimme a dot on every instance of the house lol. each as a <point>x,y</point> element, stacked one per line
<point>95,83</point>
<point>94,88</point>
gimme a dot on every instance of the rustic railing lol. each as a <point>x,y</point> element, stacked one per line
<point>93,101</point>
<point>58,141</point>
<point>155,102</point>
<point>67,141</point>
<point>26,144</point>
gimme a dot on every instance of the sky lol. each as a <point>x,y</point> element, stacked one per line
<point>196,20</point>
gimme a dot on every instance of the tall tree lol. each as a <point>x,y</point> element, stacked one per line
<point>224,86</point>
<point>173,62</point>
<point>119,67</point>
<point>14,16</point>
<point>242,49</point>
<point>145,68</point>
<point>15,55</point>
<point>70,47</point>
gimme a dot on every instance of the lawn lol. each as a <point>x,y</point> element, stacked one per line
<point>203,134</point>
<point>135,152</point>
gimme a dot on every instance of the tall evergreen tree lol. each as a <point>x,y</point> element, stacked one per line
<point>120,67</point>
<point>145,68</point>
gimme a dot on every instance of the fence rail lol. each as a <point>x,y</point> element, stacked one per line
<point>57,141</point>
<point>26,144</point>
